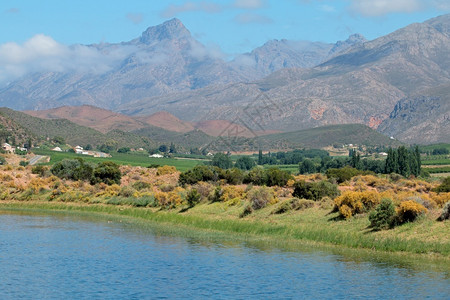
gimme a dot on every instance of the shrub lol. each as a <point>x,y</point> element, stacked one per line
<point>383,215</point>
<point>166,170</point>
<point>440,199</point>
<point>445,215</point>
<point>293,204</point>
<point>39,170</point>
<point>344,174</point>
<point>246,211</point>
<point>232,192</point>
<point>141,185</point>
<point>127,191</point>
<point>260,197</point>
<point>444,187</point>
<point>233,176</point>
<point>256,176</point>
<point>217,195</point>
<point>199,173</point>
<point>193,197</point>
<point>409,210</point>
<point>107,172</point>
<point>275,176</point>
<point>351,203</point>
<point>314,191</point>
<point>23,163</point>
<point>74,169</point>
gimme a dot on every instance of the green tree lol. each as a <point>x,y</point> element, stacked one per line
<point>222,161</point>
<point>403,161</point>
<point>59,140</point>
<point>163,148</point>
<point>383,215</point>
<point>260,157</point>
<point>307,167</point>
<point>245,163</point>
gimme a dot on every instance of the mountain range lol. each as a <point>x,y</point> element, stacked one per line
<point>397,83</point>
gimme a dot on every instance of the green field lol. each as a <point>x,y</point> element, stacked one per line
<point>438,170</point>
<point>132,159</point>
<point>291,168</point>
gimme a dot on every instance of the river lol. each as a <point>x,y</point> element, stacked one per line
<point>59,256</point>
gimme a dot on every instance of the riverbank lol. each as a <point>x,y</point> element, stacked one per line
<point>313,226</point>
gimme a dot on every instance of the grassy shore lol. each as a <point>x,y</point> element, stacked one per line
<point>313,226</point>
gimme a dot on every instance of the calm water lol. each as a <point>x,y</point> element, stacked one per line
<point>61,256</point>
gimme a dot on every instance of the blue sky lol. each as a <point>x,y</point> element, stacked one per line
<point>234,25</point>
<point>32,29</point>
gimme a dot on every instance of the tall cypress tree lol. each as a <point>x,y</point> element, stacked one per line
<point>403,161</point>
<point>419,162</point>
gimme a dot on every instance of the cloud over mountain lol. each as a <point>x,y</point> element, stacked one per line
<point>41,53</point>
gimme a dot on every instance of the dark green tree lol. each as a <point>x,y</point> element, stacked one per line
<point>403,161</point>
<point>245,163</point>
<point>260,157</point>
<point>307,167</point>
<point>163,148</point>
<point>222,161</point>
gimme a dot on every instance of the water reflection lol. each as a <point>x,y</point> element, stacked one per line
<point>60,255</point>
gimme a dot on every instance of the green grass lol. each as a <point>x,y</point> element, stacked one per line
<point>291,168</point>
<point>435,146</point>
<point>438,170</point>
<point>132,159</point>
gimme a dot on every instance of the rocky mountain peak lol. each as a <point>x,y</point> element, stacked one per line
<point>171,29</point>
<point>352,40</point>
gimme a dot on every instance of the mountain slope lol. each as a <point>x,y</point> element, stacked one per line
<point>361,85</point>
<point>421,119</point>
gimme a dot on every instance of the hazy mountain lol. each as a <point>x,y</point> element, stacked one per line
<point>165,59</point>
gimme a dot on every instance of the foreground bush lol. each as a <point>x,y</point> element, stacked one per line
<point>383,215</point>
<point>351,203</point>
<point>409,210</point>
<point>193,197</point>
<point>260,197</point>
<point>445,215</point>
<point>315,190</point>
<point>444,187</point>
<point>293,204</point>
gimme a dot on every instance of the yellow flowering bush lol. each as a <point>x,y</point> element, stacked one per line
<point>409,210</point>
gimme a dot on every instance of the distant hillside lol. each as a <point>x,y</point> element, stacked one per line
<point>90,116</point>
<point>73,134</point>
<point>187,140</point>
<point>12,132</point>
<point>167,121</point>
<point>320,137</point>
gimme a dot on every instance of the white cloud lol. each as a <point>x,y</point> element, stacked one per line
<point>43,54</point>
<point>247,18</point>
<point>443,5</point>
<point>204,6</point>
<point>136,18</point>
<point>249,4</point>
<point>383,7</point>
